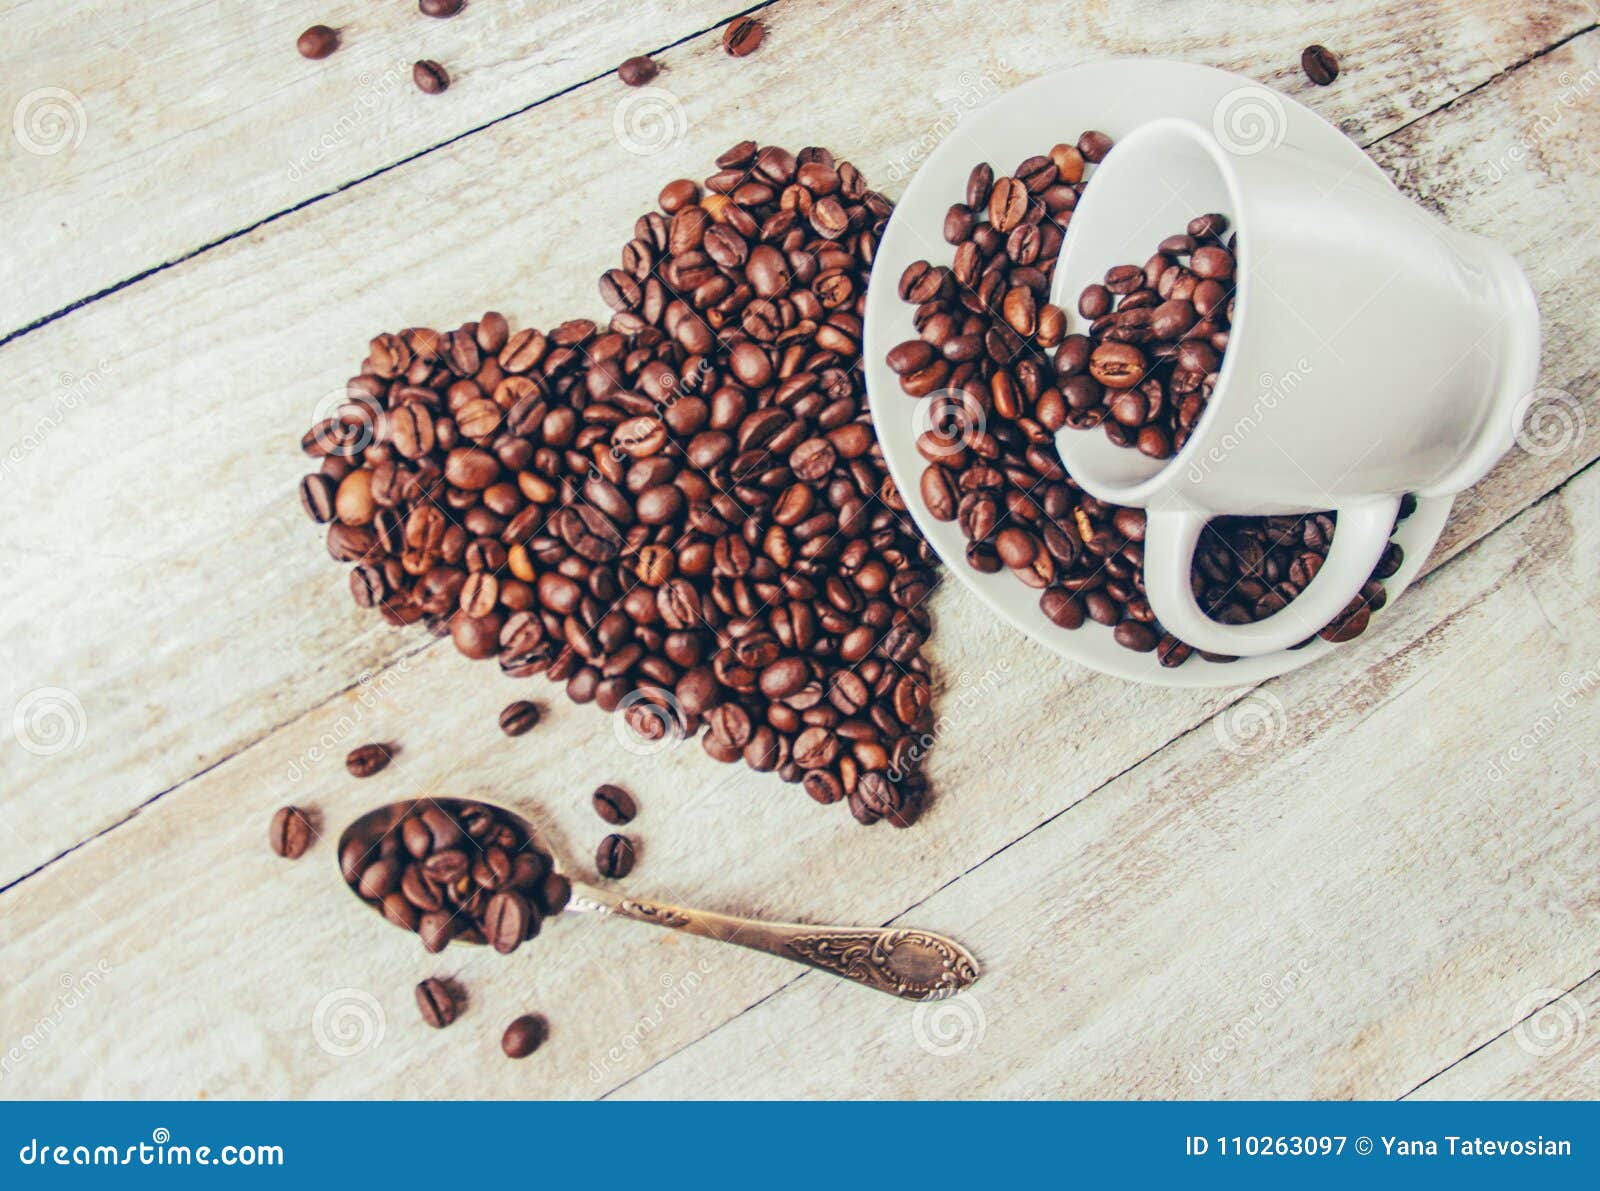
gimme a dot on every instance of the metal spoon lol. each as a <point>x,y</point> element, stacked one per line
<point>910,963</point>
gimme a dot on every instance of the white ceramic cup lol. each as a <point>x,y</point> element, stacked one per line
<point>1374,351</point>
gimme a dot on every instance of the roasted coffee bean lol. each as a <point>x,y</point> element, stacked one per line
<point>743,36</point>
<point>439,8</point>
<point>429,76</point>
<point>614,804</point>
<point>523,1036</point>
<point>291,832</point>
<point>1320,65</point>
<point>519,717</point>
<point>508,920</point>
<point>638,71</point>
<point>316,497</point>
<point>319,41</point>
<point>436,1003</point>
<point>614,858</point>
<point>367,759</point>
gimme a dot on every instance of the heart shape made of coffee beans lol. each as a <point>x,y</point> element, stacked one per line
<point>685,516</point>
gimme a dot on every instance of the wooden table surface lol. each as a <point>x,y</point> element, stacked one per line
<point>1373,877</point>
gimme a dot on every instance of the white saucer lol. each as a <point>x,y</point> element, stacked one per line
<point>1114,96</point>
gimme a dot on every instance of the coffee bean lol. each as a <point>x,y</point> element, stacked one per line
<point>367,759</point>
<point>291,832</point>
<point>316,497</point>
<point>319,41</point>
<point>1320,65</point>
<point>508,920</point>
<point>614,804</point>
<point>436,1003</point>
<point>439,8</point>
<point>523,1036</point>
<point>429,76</point>
<point>519,717</point>
<point>614,859</point>
<point>638,71</point>
<point>743,36</point>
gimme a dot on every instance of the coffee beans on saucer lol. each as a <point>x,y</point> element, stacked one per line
<point>1001,375</point>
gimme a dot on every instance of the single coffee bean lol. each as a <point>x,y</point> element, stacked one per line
<point>743,36</point>
<point>367,759</point>
<point>614,859</point>
<point>291,832</point>
<point>439,8</point>
<point>1320,65</point>
<point>519,717</point>
<point>638,71</point>
<point>435,1003</point>
<point>429,76</point>
<point>318,42</point>
<point>523,1036</point>
<point>614,804</point>
<point>507,921</point>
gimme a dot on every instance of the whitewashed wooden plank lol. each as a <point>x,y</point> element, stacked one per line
<point>149,131</point>
<point>1344,883</point>
<point>159,425</point>
<point>1550,1050</point>
<point>142,132</point>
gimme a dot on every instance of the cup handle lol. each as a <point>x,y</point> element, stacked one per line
<point>1171,536</point>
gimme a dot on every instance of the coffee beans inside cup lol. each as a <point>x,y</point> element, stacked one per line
<point>1156,335</point>
<point>999,375</point>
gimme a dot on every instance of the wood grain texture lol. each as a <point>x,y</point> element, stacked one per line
<point>165,579</point>
<point>160,423</point>
<point>1335,889</point>
<point>149,130</point>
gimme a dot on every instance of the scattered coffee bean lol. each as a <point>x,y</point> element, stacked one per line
<point>615,805</point>
<point>519,717</point>
<point>639,71</point>
<point>317,42</point>
<point>436,1003</point>
<point>367,759</point>
<point>429,76</point>
<point>743,36</point>
<point>523,1036</point>
<point>291,832</point>
<point>614,860</point>
<point>439,8</point>
<point>1320,65</point>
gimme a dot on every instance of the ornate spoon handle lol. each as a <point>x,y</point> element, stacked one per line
<point>915,964</point>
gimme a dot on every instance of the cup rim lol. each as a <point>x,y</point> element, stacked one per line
<point>1140,495</point>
